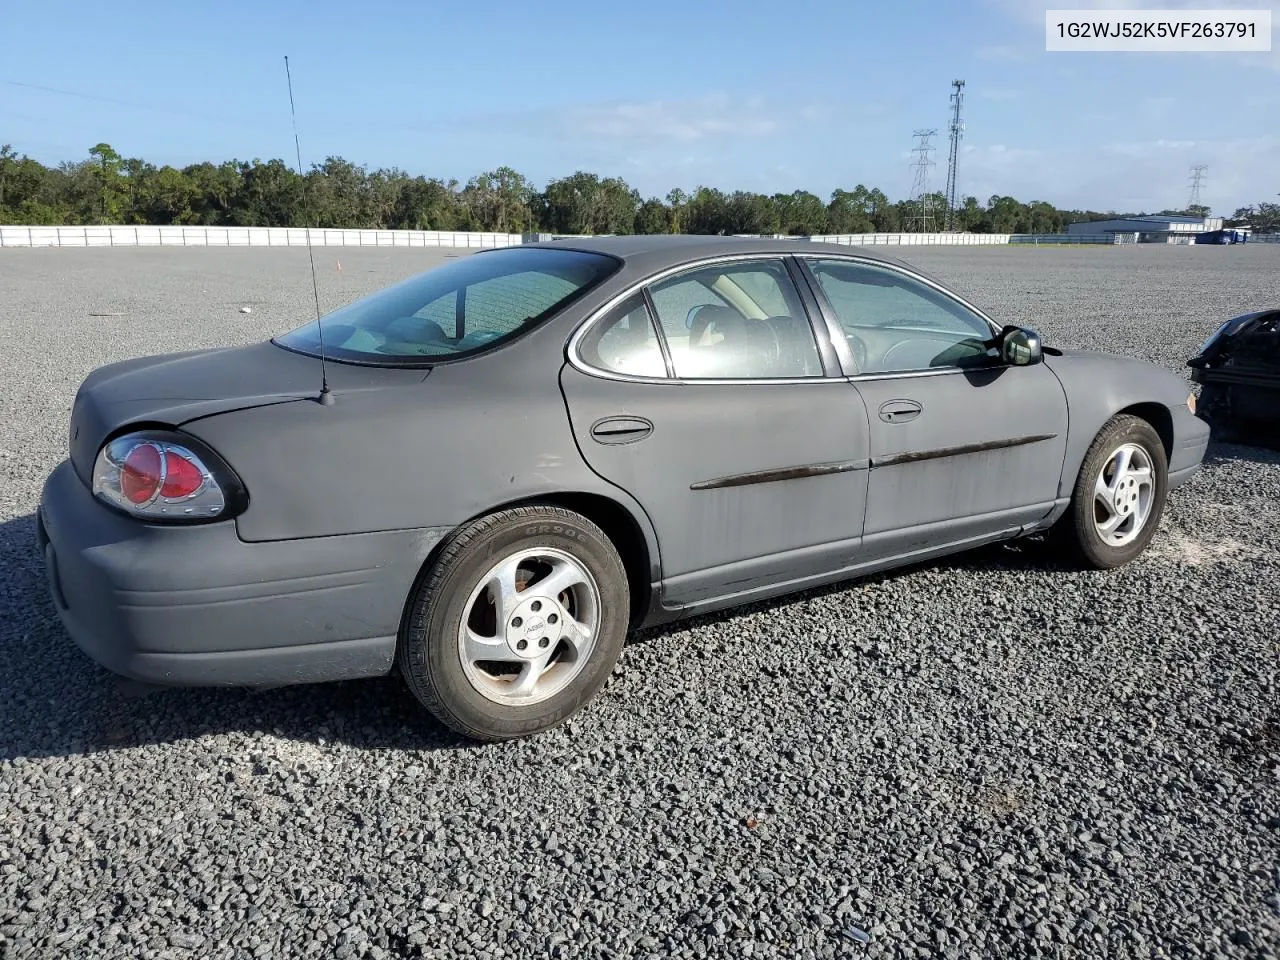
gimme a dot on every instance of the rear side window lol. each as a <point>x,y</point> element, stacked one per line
<point>625,341</point>
<point>736,321</point>
<point>461,309</point>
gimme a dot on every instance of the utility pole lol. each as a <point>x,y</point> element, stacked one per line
<point>1197,181</point>
<point>921,220</point>
<point>957,131</point>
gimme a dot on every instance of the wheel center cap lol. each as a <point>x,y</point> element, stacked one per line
<point>535,627</point>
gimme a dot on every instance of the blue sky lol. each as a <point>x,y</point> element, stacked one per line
<point>750,95</point>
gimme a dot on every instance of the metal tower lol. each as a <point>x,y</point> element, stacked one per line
<point>1197,181</point>
<point>957,131</point>
<point>921,219</point>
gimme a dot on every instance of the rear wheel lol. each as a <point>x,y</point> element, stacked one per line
<point>1119,495</point>
<point>517,624</point>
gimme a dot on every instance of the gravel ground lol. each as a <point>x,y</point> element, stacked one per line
<point>986,756</point>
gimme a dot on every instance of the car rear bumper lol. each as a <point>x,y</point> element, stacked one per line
<point>197,606</point>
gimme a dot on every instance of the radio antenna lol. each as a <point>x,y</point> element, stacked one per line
<point>325,397</point>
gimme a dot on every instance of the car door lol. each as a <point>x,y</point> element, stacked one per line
<point>721,420</point>
<point>963,447</point>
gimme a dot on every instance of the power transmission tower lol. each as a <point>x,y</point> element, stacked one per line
<point>1197,181</point>
<point>921,220</point>
<point>957,131</point>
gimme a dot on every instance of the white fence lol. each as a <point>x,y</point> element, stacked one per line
<point>143,236</point>
<point>960,239</point>
<point>911,239</point>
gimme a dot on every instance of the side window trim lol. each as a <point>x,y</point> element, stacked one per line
<point>729,264</point>
<point>811,301</point>
<point>837,358</point>
<point>652,311</point>
<point>836,331</point>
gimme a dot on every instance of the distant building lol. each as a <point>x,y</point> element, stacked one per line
<point>1153,229</point>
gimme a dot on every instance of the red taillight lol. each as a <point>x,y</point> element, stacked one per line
<point>140,475</point>
<point>181,477</point>
<point>165,476</point>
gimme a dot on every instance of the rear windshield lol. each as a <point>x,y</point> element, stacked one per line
<point>457,310</point>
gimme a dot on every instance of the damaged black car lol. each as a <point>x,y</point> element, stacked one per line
<point>1239,368</point>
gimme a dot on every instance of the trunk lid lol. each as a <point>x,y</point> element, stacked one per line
<point>174,389</point>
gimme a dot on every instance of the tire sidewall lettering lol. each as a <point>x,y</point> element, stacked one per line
<point>557,530</point>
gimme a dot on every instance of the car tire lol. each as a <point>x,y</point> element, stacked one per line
<point>1082,532</point>
<point>476,638</point>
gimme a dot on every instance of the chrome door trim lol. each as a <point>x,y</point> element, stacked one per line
<point>576,361</point>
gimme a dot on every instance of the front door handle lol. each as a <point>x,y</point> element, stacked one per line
<point>620,429</point>
<point>899,411</point>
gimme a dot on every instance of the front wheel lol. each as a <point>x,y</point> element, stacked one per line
<point>518,623</point>
<point>1119,495</point>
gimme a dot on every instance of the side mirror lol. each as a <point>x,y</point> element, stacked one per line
<point>1020,347</point>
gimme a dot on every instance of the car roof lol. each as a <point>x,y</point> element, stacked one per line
<point>643,255</point>
<point>649,253</point>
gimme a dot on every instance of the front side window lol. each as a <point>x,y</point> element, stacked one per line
<point>461,309</point>
<point>894,323</point>
<point>737,320</point>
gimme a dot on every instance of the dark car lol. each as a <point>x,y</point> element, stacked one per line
<point>1239,367</point>
<point>521,455</point>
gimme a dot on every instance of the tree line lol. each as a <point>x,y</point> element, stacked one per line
<point>107,188</point>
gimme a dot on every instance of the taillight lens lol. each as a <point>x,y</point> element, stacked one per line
<point>161,476</point>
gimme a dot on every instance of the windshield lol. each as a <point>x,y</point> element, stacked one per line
<point>456,310</point>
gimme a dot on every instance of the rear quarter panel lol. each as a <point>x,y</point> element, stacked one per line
<point>468,439</point>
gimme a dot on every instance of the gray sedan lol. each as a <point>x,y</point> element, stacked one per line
<point>486,475</point>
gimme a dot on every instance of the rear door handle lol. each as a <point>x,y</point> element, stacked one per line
<point>620,429</point>
<point>899,411</point>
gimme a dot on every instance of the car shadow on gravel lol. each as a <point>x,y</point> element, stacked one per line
<point>1026,555</point>
<point>1223,452</point>
<point>55,702</point>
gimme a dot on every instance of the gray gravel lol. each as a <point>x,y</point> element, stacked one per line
<point>987,756</point>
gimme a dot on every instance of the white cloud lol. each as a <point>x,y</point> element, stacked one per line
<point>1124,175</point>
<point>714,117</point>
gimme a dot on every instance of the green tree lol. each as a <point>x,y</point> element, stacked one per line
<point>849,211</point>
<point>8,170</point>
<point>423,204</point>
<point>1004,214</point>
<point>677,200</point>
<point>272,194</point>
<point>801,213</point>
<point>1265,218</point>
<point>883,214</point>
<point>500,200</point>
<point>751,213</point>
<point>161,196</point>
<point>106,188</point>
<point>583,203</point>
<point>215,191</point>
<point>654,217</point>
<point>706,212</point>
<point>969,215</point>
<point>107,178</point>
